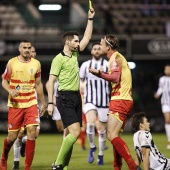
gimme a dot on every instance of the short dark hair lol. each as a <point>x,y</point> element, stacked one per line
<point>69,35</point>
<point>95,43</point>
<point>136,119</point>
<point>112,41</point>
<point>25,41</point>
<point>167,64</point>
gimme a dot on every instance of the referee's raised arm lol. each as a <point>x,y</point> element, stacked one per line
<point>88,31</point>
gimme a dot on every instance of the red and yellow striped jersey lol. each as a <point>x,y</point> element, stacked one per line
<point>122,89</point>
<point>21,76</point>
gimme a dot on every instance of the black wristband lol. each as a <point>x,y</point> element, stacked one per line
<point>91,19</point>
<point>50,103</point>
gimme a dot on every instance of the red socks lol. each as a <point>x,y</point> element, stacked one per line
<point>29,151</point>
<point>6,149</point>
<point>117,163</point>
<point>122,149</point>
<point>83,138</point>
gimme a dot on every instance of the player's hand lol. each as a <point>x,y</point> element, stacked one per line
<point>95,72</point>
<point>91,13</point>
<point>50,109</point>
<point>156,96</point>
<point>14,93</point>
<point>43,109</point>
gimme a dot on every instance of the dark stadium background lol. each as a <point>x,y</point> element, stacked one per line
<point>142,26</point>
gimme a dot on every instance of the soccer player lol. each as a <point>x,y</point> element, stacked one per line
<point>21,79</point>
<point>65,68</point>
<point>96,100</point>
<point>121,101</point>
<point>20,142</point>
<point>56,114</point>
<point>163,92</point>
<point>146,150</point>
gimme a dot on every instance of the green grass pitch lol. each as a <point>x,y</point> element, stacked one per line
<point>47,147</point>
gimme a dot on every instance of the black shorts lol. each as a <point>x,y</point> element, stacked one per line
<point>69,105</point>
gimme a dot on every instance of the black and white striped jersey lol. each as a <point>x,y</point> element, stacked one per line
<point>164,89</point>
<point>157,161</point>
<point>96,90</point>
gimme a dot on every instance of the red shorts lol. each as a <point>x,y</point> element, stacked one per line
<point>120,109</point>
<point>16,117</point>
<point>22,126</point>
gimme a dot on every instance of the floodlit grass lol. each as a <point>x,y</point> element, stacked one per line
<point>47,147</point>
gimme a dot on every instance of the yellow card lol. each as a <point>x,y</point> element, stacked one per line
<point>90,4</point>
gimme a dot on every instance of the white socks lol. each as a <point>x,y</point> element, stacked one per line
<point>102,140</point>
<point>90,131</point>
<point>24,139</point>
<point>167,130</point>
<point>17,145</point>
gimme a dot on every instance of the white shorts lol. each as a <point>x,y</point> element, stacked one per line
<point>166,108</point>
<point>101,112</point>
<point>56,114</point>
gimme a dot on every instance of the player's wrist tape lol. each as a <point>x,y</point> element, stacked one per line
<point>50,103</point>
<point>91,19</point>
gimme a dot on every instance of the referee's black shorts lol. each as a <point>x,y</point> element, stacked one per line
<point>69,105</point>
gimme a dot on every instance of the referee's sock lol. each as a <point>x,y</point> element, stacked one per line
<point>67,159</point>
<point>65,149</point>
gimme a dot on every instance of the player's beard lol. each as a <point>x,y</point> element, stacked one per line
<point>27,56</point>
<point>97,56</point>
<point>74,49</point>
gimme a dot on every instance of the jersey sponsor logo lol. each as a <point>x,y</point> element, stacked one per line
<point>26,88</point>
<point>18,87</point>
<point>159,46</point>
